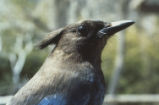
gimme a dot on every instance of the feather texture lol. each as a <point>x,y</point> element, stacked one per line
<point>55,99</point>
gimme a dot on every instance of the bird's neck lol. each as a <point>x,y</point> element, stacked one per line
<point>77,57</point>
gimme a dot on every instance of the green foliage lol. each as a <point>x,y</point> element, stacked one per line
<point>5,76</point>
<point>33,63</point>
<point>140,69</point>
<point>108,58</point>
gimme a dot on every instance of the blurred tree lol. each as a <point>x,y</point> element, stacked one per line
<point>123,13</point>
<point>18,56</point>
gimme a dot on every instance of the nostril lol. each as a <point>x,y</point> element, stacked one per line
<point>101,32</point>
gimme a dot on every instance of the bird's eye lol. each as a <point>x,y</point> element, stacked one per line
<point>83,30</point>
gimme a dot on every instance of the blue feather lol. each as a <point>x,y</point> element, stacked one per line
<point>55,99</point>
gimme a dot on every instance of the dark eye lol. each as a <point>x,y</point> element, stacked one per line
<point>83,30</point>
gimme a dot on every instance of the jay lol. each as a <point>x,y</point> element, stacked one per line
<point>71,74</point>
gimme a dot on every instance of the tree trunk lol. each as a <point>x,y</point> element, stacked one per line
<point>123,13</point>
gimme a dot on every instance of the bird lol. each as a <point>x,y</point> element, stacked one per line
<point>71,74</point>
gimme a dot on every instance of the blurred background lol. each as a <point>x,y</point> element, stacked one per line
<point>130,59</point>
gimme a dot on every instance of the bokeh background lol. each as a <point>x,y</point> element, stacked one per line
<point>130,59</point>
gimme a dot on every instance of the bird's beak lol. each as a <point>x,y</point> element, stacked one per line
<point>113,27</point>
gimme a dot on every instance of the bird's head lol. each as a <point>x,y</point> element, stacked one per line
<point>87,38</point>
